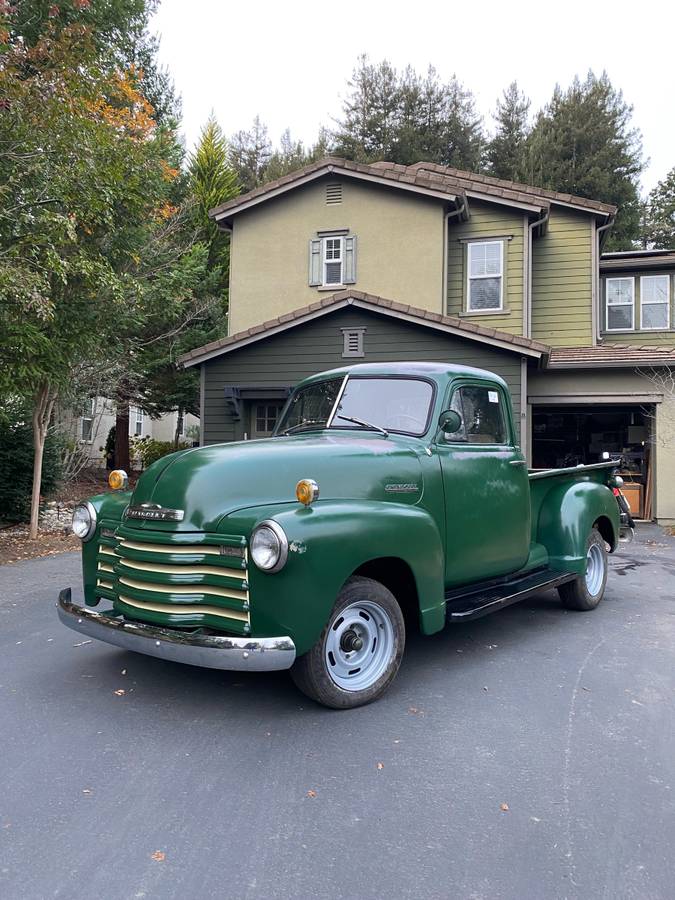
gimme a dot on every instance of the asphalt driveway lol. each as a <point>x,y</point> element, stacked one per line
<point>530,754</point>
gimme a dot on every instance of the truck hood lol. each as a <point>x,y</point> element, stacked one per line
<point>211,482</point>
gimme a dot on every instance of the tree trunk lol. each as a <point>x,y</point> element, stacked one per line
<point>122,459</point>
<point>42,413</point>
<point>176,434</point>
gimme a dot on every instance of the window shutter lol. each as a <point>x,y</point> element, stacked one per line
<point>315,262</point>
<point>349,276</point>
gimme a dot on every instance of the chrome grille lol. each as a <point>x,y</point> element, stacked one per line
<point>184,580</point>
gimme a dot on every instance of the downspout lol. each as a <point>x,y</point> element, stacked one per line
<point>596,276</point>
<point>530,241</point>
<point>461,209</point>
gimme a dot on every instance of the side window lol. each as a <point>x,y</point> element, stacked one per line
<point>483,419</point>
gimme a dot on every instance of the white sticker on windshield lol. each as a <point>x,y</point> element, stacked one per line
<point>493,396</point>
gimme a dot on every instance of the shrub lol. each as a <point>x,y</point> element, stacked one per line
<point>16,468</point>
<point>149,450</point>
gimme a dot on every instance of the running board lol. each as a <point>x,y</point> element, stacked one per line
<point>464,605</point>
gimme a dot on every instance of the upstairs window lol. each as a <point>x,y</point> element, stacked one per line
<point>485,264</point>
<point>620,300</point>
<point>332,259</point>
<point>654,302</point>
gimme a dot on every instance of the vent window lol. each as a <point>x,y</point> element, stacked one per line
<point>333,194</point>
<point>352,342</point>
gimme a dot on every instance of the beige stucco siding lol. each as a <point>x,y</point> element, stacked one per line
<point>562,280</point>
<point>489,220</point>
<point>627,387</point>
<point>399,255</point>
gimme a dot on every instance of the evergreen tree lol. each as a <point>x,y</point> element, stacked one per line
<point>583,143</point>
<point>371,113</point>
<point>250,154</point>
<point>506,151</point>
<point>659,223</point>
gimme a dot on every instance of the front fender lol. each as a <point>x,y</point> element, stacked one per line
<point>327,543</point>
<point>567,515</point>
<point>109,509</point>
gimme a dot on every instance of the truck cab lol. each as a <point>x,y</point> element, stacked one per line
<point>390,496</point>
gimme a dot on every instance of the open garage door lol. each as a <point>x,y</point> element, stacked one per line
<point>568,435</point>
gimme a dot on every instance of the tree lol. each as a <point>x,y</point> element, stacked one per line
<point>250,155</point>
<point>407,118</point>
<point>83,175</point>
<point>659,223</point>
<point>583,143</point>
<point>506,151</point>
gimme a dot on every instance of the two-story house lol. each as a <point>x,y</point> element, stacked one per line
<point>342,261</point>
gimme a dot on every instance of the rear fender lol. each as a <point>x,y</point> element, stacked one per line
<point>567,515</point>
<point>328,542</point>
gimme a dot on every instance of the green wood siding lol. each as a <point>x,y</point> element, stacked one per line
<point>664,337</point>
<point>287,358</point>
<point>489,220</point>
<point>562,280</point>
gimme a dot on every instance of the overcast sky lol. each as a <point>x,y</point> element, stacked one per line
<point>290,61</point>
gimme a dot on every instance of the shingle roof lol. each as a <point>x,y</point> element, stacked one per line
<point>611,355</point>
<point>638,259</point>
<point>512,342</point>
<point>422,176</point>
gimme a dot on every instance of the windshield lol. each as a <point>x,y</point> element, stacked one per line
<point>377,403</point>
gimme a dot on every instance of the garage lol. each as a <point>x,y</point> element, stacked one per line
<point>568,435</point>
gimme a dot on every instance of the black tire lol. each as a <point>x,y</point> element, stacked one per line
<point>576,594</point>
<point>312,672</point>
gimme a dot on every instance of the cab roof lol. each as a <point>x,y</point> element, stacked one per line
<point>435,371</point>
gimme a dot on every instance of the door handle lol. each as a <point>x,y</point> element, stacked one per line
<point>517,462</point>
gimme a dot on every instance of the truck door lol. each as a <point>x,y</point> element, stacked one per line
<point>487,491</point>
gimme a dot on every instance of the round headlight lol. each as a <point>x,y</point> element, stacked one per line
<point>269,546</point>
<point>84,521</point>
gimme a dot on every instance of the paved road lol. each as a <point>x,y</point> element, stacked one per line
<point>194,784</point>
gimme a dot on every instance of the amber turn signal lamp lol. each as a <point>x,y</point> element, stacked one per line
<point>118,480</point>
<point>307,491</point>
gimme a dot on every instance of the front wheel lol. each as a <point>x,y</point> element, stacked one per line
<point>586,591</point>
<point>359,651</point>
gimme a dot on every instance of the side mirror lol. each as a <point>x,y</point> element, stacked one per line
<point>449,421</point>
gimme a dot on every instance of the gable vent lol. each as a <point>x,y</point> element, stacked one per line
<point>352,342</point>
<point>333,194</point>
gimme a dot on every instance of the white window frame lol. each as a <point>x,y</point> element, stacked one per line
<point>325,261</point>
<point>631,304</point>
<point>88,418</point>
<point>665,327</point>
<point>139,418</point>
<point>469,277</point>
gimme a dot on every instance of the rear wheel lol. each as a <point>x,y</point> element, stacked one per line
<point>359,651</point>
<point>586,591</point>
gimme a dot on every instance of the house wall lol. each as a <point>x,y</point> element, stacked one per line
<point>562,280</point>
<point>287,358</point>
<point>630,387</point>
<point>489,220</point>
<point>399,249</point>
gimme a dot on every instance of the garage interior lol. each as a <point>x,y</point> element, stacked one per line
<point>569,435</point>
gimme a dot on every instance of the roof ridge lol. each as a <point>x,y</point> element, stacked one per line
<point>374,300</point>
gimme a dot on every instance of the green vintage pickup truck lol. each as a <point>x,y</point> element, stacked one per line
<point>390,496</point>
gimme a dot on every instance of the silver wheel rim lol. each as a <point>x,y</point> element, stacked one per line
<point>359,646</point>
<point>595,569</point>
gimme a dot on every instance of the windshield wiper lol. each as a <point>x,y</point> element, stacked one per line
<point>304,423</point>
<point>364,424</point>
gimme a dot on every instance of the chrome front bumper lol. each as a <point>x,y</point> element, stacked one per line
<point>209,651</point>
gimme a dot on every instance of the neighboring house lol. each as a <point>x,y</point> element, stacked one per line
<point>90,429</point>
<point>342,261</point>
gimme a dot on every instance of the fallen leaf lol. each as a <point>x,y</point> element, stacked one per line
<point>380,766</point>
<point>124,671</point>
<point>504,807</point>
<point>86,791</point>
<point>159,856</point>
<point>485,688</point>
<point>311,794</point>
<point>82,643</point>
<point>120,692</point>
<point>415,711</point>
